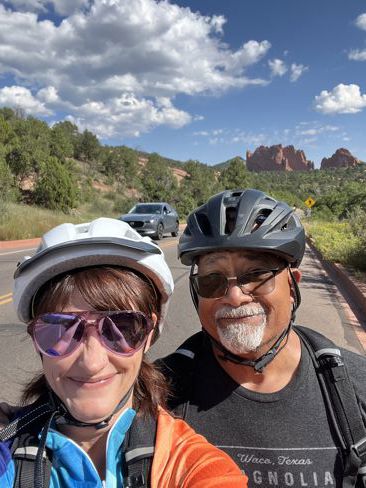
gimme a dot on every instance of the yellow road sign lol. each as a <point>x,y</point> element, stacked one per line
<point>309,202</point>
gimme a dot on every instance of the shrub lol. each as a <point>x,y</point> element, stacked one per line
<point>55,188</point>
<point>123,204</point>
<point>337,243</point>
<point>8,190</point>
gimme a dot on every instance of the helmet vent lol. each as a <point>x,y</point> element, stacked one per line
<point>261,217</point>
<point>231,214</point>
<point>204,224</point>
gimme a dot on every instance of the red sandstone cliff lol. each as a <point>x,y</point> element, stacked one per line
<point>342,158</point>
<point>278,158</point>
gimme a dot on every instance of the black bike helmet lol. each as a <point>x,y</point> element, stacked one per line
<point>243,219</point>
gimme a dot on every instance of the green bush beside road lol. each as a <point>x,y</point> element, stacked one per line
<point>338,243</point>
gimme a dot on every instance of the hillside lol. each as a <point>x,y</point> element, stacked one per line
<point>225,164</point>
<point>61,168</point>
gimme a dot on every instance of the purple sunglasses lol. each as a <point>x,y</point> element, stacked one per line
<point>59,334</point>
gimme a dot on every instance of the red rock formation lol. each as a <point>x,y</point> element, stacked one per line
<point>342,158</point>
<point>180,174</point>
<point>278,158</point>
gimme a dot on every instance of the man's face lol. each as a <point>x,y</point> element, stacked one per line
<point>240,321</point>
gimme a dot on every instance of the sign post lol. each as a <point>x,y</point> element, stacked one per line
<point>309,202</point>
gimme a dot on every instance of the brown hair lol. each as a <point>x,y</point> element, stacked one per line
<point>106,288</point>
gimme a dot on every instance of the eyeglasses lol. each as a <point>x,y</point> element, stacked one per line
<point>60,334</point>
<point>216,285</point>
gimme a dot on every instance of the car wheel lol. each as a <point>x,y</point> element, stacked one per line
<point>159,232</point>
<point>176,231</point>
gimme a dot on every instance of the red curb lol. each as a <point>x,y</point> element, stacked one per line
<point>20,244</point>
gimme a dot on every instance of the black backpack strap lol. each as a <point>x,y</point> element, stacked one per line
<point>179,368</point>
<point>24,453</point>
<point>23,432</point>
<point>25,445</point>
<point>138,447</point>
<point>342,404</point>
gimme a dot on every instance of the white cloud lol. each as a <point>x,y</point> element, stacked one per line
<point>357,55</point>
<point>343,99</point>
<point>297,70</point>
<point>123,63</point>
<point>217,22</point>
<point>277,67</point>
<point>130,114</point>
<point>62,7</point>
<point>20,97</point>
<point>48,94</point>
<point>361,21</point>
<point>318,130</point>
<point>301,135</point>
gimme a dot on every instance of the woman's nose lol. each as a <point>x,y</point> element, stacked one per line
<point>93,355</point>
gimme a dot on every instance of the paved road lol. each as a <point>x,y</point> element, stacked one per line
<point>323,309</point>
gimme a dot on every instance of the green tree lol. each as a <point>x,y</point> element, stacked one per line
<point>55,188</point>
<point>7,113</point>
<point>200,184</point>
<point>8,190</point>
<point>235,175</point>
<point>30,147</point>
<point>6,132</point>
<point>121,163</point>
<point>87,147</point>
<point>158,180</point>
<point>63,140</point>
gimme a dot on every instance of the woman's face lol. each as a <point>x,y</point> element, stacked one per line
<point>91,381</point>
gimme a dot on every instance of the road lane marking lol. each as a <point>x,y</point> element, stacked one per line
<point>5,296</point>
<point>4,302</point>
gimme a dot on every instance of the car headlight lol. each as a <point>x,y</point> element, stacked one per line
<point>150,221</point>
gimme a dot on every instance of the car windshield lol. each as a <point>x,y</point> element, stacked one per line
<point>146,209</point>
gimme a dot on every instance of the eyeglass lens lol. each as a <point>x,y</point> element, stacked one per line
<point>59,334</point>
<point>216,285</point>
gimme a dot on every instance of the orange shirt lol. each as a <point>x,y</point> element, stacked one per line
<point>184,459</point>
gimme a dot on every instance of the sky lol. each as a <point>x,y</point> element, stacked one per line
<point>192,79</point>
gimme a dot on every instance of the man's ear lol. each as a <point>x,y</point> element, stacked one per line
<point>154,319</point>
<point>296,275</point>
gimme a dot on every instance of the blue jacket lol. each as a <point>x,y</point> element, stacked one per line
<point>71,465</point>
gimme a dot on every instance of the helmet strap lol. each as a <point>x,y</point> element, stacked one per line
<point>65,417</point>
<point>297,295</point>
<point>257,364</point>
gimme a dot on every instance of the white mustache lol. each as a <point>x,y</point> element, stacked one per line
<point>239,312</point>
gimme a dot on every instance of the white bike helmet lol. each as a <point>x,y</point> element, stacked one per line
<point>103,241</point>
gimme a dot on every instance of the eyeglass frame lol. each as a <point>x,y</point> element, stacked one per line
<point>275,271</point>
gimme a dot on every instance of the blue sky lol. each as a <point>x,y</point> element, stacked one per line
<point>204,79</point>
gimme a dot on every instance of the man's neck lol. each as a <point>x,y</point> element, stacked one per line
<point>276,374</point>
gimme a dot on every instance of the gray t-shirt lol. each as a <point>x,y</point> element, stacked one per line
<point>278,439</point>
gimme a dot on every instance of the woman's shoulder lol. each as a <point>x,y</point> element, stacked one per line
<point>188,458</point>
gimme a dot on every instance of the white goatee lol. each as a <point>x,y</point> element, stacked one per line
<point>241,336</point>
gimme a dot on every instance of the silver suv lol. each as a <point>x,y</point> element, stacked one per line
<point>153,219</point>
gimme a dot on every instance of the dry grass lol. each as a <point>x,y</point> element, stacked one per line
<point>25,222</point>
